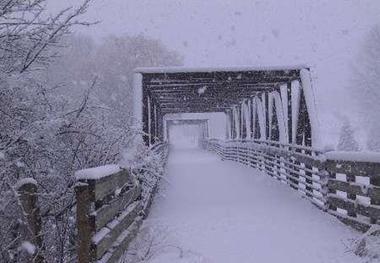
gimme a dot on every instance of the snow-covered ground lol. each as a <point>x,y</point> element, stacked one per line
<point>210,210</point>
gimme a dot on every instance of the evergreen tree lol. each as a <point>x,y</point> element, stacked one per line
<point>366,89</point>
<point>347,140</point>
<point>373,141</point>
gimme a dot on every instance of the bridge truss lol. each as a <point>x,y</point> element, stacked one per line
<point>260,103</point>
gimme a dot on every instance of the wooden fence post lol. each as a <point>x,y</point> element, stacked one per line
<point>27,194</point>
<point>375,195</point>
<point>85,223</point>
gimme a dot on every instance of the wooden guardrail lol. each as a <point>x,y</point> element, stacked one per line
<point>107,213</point>
<point>110,210</point>
<point>348,188</point>
<point>354,189</point>
<point>161,150</point>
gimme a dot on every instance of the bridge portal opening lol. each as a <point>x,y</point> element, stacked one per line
<point>187,133</point>
<point>266,104</point>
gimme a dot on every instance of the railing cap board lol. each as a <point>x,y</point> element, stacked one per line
<point>308,159</point>
<point>104,184</point>
<point>273,143</point>
<point>97,173</point>
<point>363,157</point>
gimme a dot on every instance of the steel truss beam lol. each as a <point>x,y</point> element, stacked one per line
<point>221,91</point>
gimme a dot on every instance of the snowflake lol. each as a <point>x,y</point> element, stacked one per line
<point>28,247</point>
<point>202,90</point>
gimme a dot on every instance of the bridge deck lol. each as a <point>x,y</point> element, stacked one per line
<point>215,211</point>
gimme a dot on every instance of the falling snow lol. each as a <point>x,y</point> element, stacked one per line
<point>85,102</point>
<point>28,247</point>
<point>202,90</point>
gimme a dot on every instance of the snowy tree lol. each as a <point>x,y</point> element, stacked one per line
<point>60,114</point>
<point>112,61</point>
<point>366,87</point>
<point>28,32</point>
<point>31,119</point>
<point>347,140</point>
<point>115,60</point>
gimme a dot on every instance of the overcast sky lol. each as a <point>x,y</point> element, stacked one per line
<point>217,32</point>
<point>324,34</point>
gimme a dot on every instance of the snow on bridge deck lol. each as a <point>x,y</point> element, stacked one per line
<point>220,211</point>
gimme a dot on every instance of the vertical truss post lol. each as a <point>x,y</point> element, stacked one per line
<point>303,135</point>
<point>238,115</point>
<point>243,120</point>
<point>266,113</point>
<point>290,121</point>
<point>248,118</point>
<point>145,117</point>
<point>257,122</point>
<point>236,123</point>
<point>152,122</point>
<point>233,123</point>
<point>274,129</point>
<point>160,124</point>
<point>155,122</point>
<point>251,117</point>
<point>228,124</point>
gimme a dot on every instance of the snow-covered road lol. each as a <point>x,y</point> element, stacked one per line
<point>223,212</point>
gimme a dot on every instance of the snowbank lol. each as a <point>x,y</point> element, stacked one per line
<point>97,172</point>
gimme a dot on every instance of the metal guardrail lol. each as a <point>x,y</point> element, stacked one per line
<point>347,189</point>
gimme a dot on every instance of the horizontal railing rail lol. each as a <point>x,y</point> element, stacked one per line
<point>348,188</point>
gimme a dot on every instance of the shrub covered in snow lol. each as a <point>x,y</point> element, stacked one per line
<point>146,165</point>
<point>368,245</point>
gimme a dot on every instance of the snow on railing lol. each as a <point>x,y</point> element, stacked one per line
<point>110,210</point>
<point>346,185</point>
<point>354,187</point>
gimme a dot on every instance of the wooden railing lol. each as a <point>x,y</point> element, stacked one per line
<point>110,210</point>
<point>161,150</point>
<point>354,189</point>
<point>348,188</point>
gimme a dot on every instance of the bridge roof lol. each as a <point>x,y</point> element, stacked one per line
<point>179,89</point>
<point>216,69</point>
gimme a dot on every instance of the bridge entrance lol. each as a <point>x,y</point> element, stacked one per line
<point>260,103</point>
